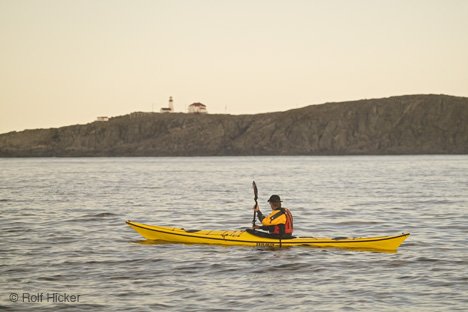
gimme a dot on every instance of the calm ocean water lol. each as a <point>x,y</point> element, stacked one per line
<point>64,238</point>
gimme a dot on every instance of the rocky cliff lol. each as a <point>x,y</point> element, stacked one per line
<point>414,124</point>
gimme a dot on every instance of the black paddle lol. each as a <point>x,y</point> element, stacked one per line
<point>256,203</point>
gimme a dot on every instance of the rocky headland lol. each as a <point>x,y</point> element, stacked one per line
<point>412,124</point>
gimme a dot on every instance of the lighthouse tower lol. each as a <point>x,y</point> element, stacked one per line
<point>169,109</point>
<point>171,104</point>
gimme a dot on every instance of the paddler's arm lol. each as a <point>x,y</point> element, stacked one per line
<point>260,215</point>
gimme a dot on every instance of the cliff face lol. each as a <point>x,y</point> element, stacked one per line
<point>417,124</point>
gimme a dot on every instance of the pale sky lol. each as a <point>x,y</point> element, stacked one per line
<point>65,62</point>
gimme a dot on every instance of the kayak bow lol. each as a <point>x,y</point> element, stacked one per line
<point>248,238</point>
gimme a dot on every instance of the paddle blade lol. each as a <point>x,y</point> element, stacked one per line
<point>255,190</point>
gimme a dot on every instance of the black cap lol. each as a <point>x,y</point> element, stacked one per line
<point>274,198</point>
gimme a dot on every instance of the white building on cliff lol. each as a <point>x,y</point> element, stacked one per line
<point>197,108</point>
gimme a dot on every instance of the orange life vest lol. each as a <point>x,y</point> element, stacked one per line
<point>288,227</point>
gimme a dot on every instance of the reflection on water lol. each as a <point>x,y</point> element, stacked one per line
<point>63,230</point>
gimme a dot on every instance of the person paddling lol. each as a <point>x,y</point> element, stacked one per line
<point>279,223</point>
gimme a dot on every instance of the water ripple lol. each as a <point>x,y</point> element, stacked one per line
<point>63,230</point>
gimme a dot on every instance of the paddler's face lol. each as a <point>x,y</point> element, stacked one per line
<point>274,205</point>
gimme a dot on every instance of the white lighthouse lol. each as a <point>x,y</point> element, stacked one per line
<point>171,104</point>
<point>170,108</point>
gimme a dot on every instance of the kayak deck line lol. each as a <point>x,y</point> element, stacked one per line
<point>244,238</point>
<point>187,235</point>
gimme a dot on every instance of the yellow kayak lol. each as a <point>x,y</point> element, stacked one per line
<point>248,238</point>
